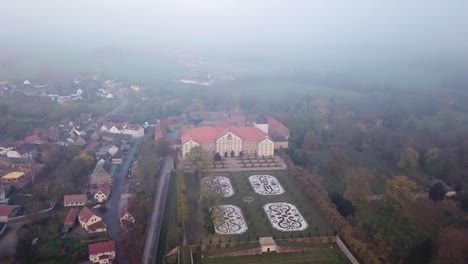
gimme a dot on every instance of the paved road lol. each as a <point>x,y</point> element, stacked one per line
<point>152,237</point>
<point>111,217</point>
<point>123,103</point>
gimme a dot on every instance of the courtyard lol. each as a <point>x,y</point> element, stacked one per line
<point>253,204</point>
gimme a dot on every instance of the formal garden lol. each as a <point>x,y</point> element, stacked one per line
<point>249,205</point>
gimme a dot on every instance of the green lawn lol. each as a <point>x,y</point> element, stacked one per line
<point>257,222</point>
<point>330,256</point>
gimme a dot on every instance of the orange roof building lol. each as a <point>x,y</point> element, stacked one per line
<point>228,140</point>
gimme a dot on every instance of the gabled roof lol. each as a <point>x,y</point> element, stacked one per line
<point>71,217</point>
<point>132,127</point>
<point>85,214</point>
<point>102,247</point>
<point>277,128</point>
<point>32,139</point>
<point>6,210</point>
<point>105,189</point>
<point>97,225</point>
<point>203,135</point>
<point>74,198</point>
<point>123,211</point>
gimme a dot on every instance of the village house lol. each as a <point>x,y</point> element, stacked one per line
<point>117,158</point>
<point>125,217</point>
<point>70,220</point>
<point>4,190</point>
<point>227,140</point>
<point>99,176</point>
<point>74,200</point>
<point>102,252</point>
<point>16,178</point>
<point>103,193</point>
<point>6,212</point>
<point>33,139</point>
<point>122,128</point>
<point>113,150</point>
<point>90,222</point>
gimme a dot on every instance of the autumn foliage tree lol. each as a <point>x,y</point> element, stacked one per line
<point>409,160</point>
<point>198,159</point>
<point>398,193</point>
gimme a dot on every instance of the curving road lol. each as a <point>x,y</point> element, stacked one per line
<point>152,237</point>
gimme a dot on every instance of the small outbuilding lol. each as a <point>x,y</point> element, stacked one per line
<point>267,244</point>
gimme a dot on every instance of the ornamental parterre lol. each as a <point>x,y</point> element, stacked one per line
<point>285,217</point>
<point>266,185</point>
<point>219,185</point>
<point>229,220</point>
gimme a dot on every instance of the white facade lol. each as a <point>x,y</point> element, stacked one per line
<point>100,197</point>
<point>262,127</point>
<point>110,255</point>
<point>230,142</point>
<point>127,129</point>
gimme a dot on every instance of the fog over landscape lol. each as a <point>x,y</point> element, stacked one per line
<point>234,131</point>
<point>390,41</point>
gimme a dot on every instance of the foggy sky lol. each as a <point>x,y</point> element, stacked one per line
<point>362,26</point>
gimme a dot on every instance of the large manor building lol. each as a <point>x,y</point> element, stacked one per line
<point>227,140</point>
<point>227,133</point>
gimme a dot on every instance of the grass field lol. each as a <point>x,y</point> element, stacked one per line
<point>257,222</point>
<point>325,255</point>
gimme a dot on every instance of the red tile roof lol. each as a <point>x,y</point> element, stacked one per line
<point>277,128</point>
<point>92,145</point>
<point>6,210</point>
<point>102,247</point>
<point>32,139</point>
<point>71,217</point>
<point>86,214</point>
<point>105,189</point>
<point>74,198</point>
<point>123,211</point>
<point>203,135</point>
<point>97,225</point>
<point>132,127</point>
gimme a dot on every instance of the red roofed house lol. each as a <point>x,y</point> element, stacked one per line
<point>90,222</point>
<point>224,140</point>
<point>7,211</point>
<point>70,220</point>
<point>74,200</point>
<point>125,217</point>
<point>33,139</point>
<point>102,253</point>
<point>103,193</point>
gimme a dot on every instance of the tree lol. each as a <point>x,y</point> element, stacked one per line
<point>452,246</point>
<point>217,157</point>
<point>344,207</point>
<point>225,154</point>
<point>198,159</point>
<point>398,193</point>
<point>409,159</point>
<point>437,192</point>
<point>232,153</point>
<point>310,141</point>
<point>420,253</point>
<point>209,202</point>
<point>358,185</point>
